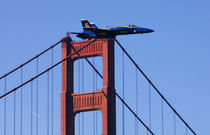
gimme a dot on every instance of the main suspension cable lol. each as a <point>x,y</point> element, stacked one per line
<point>26,82</point>
<point>122,100</point>
<point>148,129</point>
<point>14,89</point>
<point>166,101</point>
<point>31,59</point>
<point>20,67</point>
<point>77,52</point>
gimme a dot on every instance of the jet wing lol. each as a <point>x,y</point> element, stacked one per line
<point>84,35</point>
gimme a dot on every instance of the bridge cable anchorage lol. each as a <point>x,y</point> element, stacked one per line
<point>26,82</point>
<point>160,94</point>
<point>31,59</point>
<point>123,90</point>
<point>52,95</point>
<point>37,94</point>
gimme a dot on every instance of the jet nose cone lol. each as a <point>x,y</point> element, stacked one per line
<point>149,30</point>
<point>145,30</point>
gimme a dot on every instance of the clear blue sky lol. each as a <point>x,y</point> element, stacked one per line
<point>176,56</point>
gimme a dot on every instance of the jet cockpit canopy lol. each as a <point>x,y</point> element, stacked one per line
<point>132,26</point>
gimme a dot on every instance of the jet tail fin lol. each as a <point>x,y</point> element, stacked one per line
<point>87,26</point>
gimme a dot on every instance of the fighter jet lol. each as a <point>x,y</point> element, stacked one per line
<point>91,31</point>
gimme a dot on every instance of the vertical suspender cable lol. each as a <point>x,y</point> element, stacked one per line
<point>174,124</point>
<point>5,103</point>
<point>186,131</point>
<point>96,86</point>
<point>162,111</point>
<point>155,88</point>
<point>14,111</point>
<point>137,105</point>
<point>52,95</point>
<point>83,75</point>
<point>79,93</point>
<point>94,129</point>
<point>37,94</point>
<point>31,107</point>
<point>82,92</point>
<point>48,89</point>
<point>123,81</point>
<point>21,101</point>
<point>150,108</point>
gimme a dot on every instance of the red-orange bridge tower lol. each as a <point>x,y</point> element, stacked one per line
<point>103,100</point>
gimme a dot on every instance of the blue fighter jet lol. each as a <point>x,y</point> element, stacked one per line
<point>91,31</point>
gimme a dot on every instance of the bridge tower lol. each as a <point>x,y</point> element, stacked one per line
<point>103,100</point>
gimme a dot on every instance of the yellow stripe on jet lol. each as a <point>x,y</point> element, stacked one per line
<point>88,27</point>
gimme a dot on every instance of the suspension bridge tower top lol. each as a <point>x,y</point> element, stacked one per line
<point>103,100</point>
